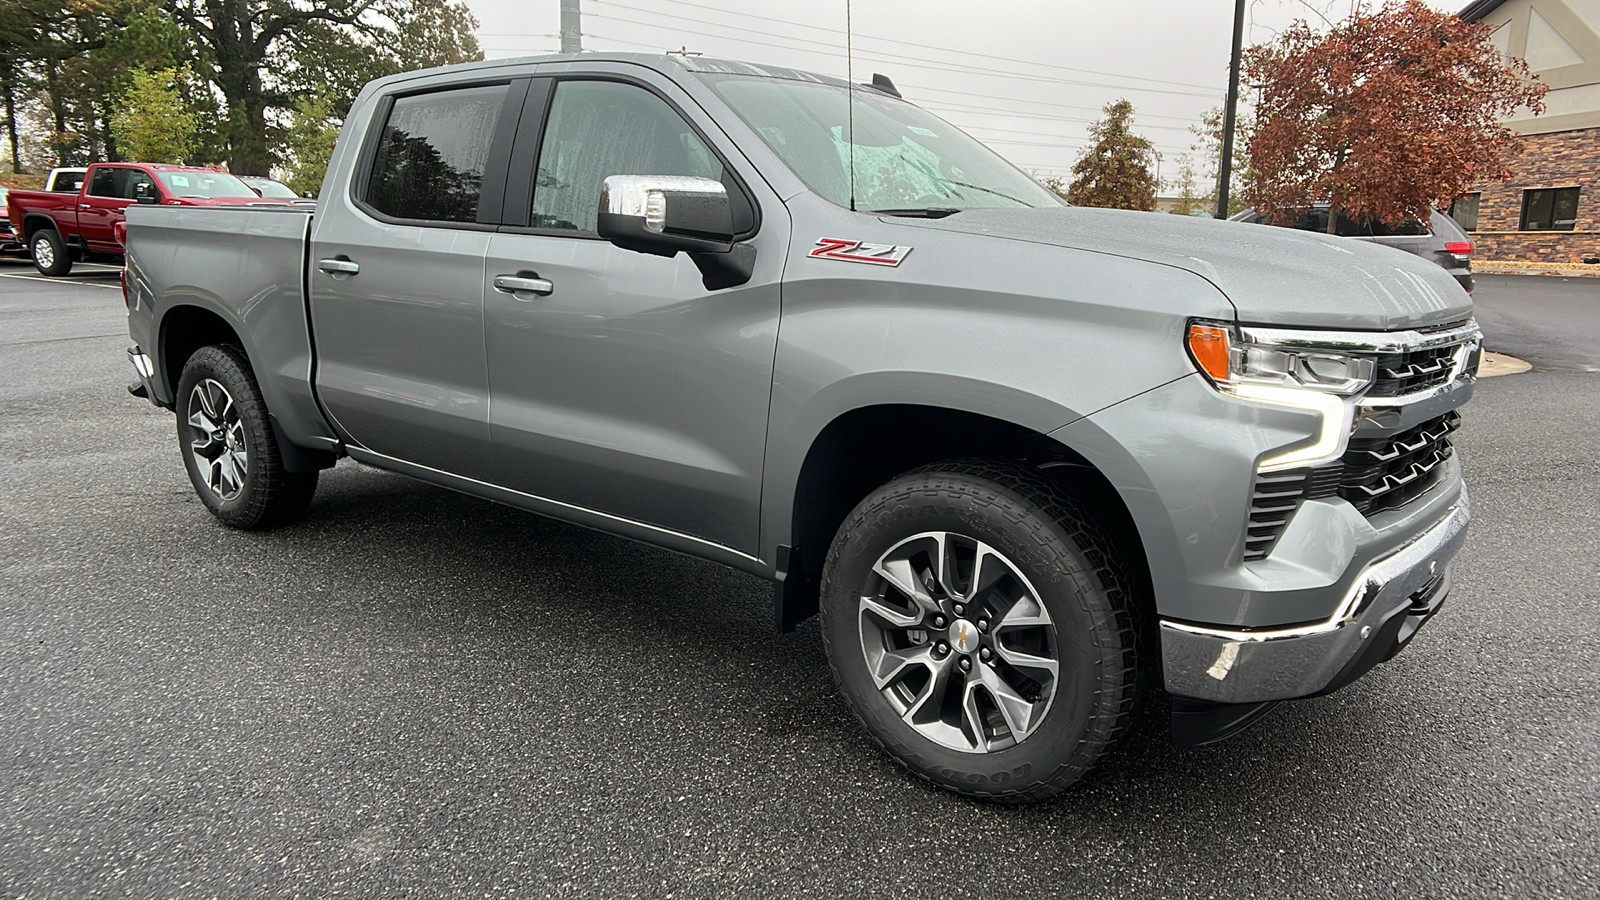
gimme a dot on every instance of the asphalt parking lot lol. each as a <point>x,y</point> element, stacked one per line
<point>414,693</point>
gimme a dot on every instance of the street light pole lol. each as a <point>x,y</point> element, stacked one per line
<point>1225,169</point>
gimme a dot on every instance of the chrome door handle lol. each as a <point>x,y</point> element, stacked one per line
<point>520,284</point>
<point>338,267</point>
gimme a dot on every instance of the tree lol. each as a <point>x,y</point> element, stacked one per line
<point>1115,171</point>
<point>1208,143</point>
<point>261,53</point>
<point>1387,114</point>
<point>1186,182</point>
<point>152,124</point>
<point>309,144</point>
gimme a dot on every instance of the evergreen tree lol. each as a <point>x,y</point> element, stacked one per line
<point>1115,171</point>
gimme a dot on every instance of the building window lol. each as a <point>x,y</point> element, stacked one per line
<point>1550,209</point>
<point>1464,209</point>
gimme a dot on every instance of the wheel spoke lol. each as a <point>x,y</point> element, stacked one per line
<point>903,576</point>
<point>972,717</point>
<point>1029,662</point>
<point>888,614</point>
<point>1016,709</point>
<point>894,663</point>
<point>925,708</point>
<point>1025,613</point>
<point>987,570</point>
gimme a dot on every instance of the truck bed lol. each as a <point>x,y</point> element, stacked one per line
<point>245,265</point>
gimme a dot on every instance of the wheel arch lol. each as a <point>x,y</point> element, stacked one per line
<point>33,223</point>
<point>853,454</point>
<point>185,328</point>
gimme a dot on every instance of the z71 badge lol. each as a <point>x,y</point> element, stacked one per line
<point>859,252</point>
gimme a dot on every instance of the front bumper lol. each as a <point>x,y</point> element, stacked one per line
<point>1389,600</point>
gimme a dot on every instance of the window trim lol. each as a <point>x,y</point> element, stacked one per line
<point>1527,194</point>
<point>373,140</point>
<point>537,126</point>
<point>104,168</point>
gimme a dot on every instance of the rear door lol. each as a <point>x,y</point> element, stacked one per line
<point>396,276</point>
<point>629,389</point>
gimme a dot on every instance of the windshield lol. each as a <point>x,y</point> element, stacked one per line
<point>270,188</point>
<point>905,158</point>
<point>203,184</point>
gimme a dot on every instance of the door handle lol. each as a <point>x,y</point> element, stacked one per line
<point>337,267</point>
<point>524,283</point>
<point>86,206</point>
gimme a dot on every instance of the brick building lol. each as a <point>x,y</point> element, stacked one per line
<point>1549,210</point>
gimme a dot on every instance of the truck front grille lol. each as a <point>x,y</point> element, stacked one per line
<point>1374,475</point>
<point>1407,371</point>
<point>1387,473</point>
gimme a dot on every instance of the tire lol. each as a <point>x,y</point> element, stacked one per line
<point>228,446</point>
<point>49,253</point>
<point>1005,728</point>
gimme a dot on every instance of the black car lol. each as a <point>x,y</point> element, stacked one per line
<point>1441,240</point>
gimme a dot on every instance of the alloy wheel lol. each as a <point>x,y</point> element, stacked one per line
<point>958,642</point>
<point>44,253</point>
<point>220,451</point>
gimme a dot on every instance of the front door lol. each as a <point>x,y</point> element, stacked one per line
<point>629,388</point>
<point>396,282</point>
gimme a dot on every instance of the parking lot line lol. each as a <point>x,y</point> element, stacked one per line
<point>58,281</point>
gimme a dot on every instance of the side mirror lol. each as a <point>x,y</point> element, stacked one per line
<point>145,194</point>
<point>307,195</point>
<point>665,214</point>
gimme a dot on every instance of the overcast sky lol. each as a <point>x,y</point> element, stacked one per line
<point>1024,76</point>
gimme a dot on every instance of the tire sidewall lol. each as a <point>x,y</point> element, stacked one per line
<point>1046,556</point>
<point>222,366</point>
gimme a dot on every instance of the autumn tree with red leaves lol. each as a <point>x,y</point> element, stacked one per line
<point>1386,115</point>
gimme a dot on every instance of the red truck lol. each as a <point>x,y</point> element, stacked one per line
<point>58,229</point>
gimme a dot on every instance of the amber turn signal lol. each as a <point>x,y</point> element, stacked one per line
<point>1210,347</point>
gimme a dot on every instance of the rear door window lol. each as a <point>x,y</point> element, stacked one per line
<point>432,155</point>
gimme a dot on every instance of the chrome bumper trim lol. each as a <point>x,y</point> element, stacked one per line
<point>1232,665</point>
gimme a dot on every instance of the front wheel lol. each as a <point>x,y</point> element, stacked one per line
<point>979,623</point>
<point>228,446</point>
<point>49,253</point>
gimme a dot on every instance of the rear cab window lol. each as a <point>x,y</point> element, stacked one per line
<point>432,154</point>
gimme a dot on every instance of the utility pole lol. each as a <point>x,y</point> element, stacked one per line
<point>571,27</point>
<point>1225,169</point>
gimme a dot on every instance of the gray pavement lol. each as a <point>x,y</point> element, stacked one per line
<point>419,694</point>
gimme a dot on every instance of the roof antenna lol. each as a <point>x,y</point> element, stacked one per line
<point>850,101</point>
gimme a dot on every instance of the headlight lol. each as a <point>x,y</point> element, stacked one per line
<point>1321,381</point>
<point>1230,363</point>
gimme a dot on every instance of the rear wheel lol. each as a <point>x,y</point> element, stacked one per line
<point>228,446</point>
<point>49,253</point>
<point>978,622</point>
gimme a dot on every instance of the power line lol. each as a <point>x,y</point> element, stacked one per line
<point>1026,101</point>
<point>900,59</point>
<point>793,24</point>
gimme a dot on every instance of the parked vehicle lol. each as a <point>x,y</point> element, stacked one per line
<point>9,242</point>
<point>1026,460</point>
<point>65,180</point>
<point>266,187</point>
<point>1441,241</point>
<point>59,228</point>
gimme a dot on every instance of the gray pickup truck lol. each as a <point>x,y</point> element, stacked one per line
<point>1030,463</point>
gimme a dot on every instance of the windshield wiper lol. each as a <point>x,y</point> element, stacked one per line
<point>922,212</point>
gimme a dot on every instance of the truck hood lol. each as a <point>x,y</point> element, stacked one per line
<point>1272,276</point>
